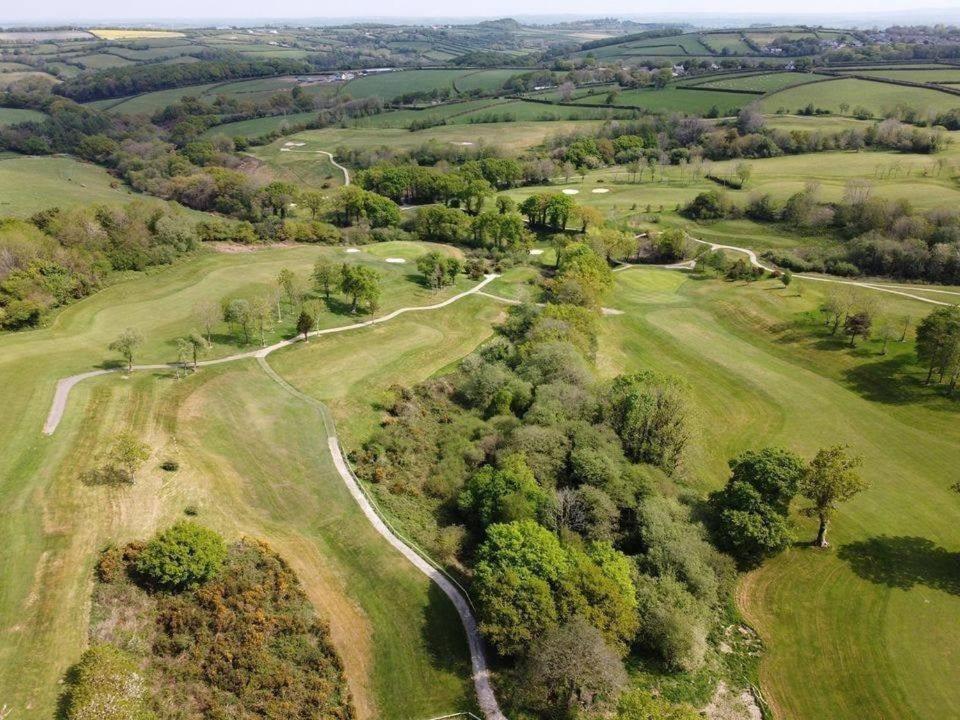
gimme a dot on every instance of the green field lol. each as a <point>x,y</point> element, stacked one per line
<point>877,97</point>
<point>259,126</point>
<point>252,459</point>
<point>675,99</point>
<point>486,80</point>
<point>99,61</point>
<point>29,184</point>
<point>12,116</point>
<point>513,136</point>
<point>875,636</point>
<point>767,82</point>
<point>936,76</point>
<point>388,85</point>
<point>258,89</point>
<point>731,42</point>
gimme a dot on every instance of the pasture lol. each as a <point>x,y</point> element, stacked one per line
<point>251,460</point>
<point>29,184</point>
<point>12,116</point>
<point>677,99</point>
<point>761,83</point>
<point>865,622</point>
<point>389,85</point>
<point>939,76</point>
<point>876,97</point>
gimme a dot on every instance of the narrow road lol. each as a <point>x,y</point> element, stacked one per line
<point>486,697</point>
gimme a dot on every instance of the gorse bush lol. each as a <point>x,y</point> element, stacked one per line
<point>106,685</point>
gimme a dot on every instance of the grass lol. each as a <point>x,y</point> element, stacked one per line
<point>29,184</point>
<point>766,82</point>
<point>12,116</point>
<point>389,85</point>
<point>259,126</point>
<point>877,97</point>
<point>250,458</point>
<point>868,623</point>
<point>940,75</point>
<point>675,99</point>
<point>257,89</point>
<point>486,80</point>
<point>353,373</point>
<point>892,175</point>
<point>512,136</point>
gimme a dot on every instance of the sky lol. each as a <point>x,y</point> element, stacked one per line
<point>65,11</point>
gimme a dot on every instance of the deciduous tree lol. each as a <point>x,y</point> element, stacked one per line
<point>830,479</point>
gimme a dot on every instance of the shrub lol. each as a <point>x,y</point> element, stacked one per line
<point>673,623</point>
<point>105,685</point>
<point>181,557</point>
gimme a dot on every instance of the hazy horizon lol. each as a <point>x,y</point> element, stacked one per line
<point>61,12</point>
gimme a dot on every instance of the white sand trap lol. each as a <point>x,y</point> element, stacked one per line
<point>600,190</point>
<point>570,191</point>
<point>462,144</point>
<point>284,149</point>
<point>353,250</point>
<point>293,144</point>
<point>537,251</point>
<point>396,260</point>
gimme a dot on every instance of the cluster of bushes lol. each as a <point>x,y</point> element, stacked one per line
<point>542,484</point>
<point>184,621</point>
<point>691,141</point>
<point>134,79</point>
<point>877,236</point>
<point>63,255</point>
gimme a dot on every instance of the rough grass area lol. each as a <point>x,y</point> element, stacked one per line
<point>867,622</point>
<point>29,184</point>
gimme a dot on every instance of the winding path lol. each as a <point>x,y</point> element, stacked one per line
<point>486,697</point>
<point>818,278</point>
<point>346,173</point>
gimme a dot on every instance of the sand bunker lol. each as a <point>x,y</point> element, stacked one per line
<point>571,191</point>
<point>293,144</point>
<point>600,190</point>
<point>284,149</point>
<point>396,260</point>
<point>353,250</point>
<point>537,251</point>
<point>462,144</point>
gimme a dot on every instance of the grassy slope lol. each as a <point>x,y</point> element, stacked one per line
<point>29,184</point>
<point>870,649</point>
<point>875,96</point>
<point>892,175</point>
<point>12,116</point>
<point>52,524</point>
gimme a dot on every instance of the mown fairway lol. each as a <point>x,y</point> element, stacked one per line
<point>252,460</point>
<point>865,630</point>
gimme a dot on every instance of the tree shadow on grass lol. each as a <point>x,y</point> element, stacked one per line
<point>887,380</point>
<point>903,562</point>
<point>443,635</point>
